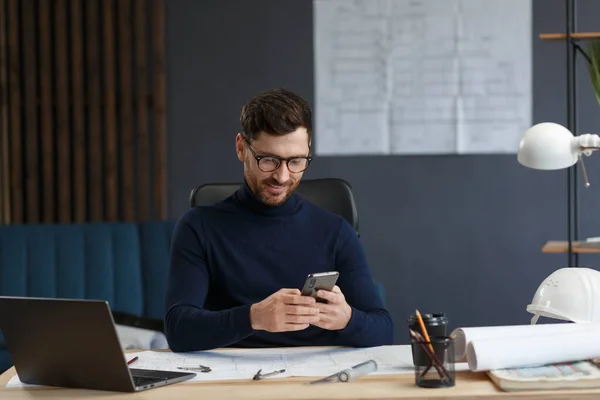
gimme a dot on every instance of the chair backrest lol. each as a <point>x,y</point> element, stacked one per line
<point>332,194</point>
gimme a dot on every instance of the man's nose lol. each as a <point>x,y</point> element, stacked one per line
<point>282,174</point>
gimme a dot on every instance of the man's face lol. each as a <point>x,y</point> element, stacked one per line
<point>275,187</point>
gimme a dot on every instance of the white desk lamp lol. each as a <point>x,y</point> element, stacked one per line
<point>550,146</point>
<point>570,294</point>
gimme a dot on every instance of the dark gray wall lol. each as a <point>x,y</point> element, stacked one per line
<point>459,234</point>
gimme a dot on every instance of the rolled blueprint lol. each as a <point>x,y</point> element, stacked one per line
<point>462,336</point>
<point>526,351</point>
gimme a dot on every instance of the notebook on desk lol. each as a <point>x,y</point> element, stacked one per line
<point>568,375</point>
<point>72,343</point>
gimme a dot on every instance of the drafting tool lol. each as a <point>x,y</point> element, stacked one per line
<point>200,368</point>
<point>349,374</point>
<point>258,376</point>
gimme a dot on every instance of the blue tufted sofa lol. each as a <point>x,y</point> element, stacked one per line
<point>124,263</point>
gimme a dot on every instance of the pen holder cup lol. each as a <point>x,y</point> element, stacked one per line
<point>434,369</point>
<point>436,324</point>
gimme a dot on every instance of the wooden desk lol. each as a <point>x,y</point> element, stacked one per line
<point>469,385</point>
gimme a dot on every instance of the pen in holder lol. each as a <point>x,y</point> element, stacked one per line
<point>435,324</point>
<point>433,361</point>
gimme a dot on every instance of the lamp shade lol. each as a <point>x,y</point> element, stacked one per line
<point>547,146</point>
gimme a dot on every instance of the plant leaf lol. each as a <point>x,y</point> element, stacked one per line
<point>594,67</point>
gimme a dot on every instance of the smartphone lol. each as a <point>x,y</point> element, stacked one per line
<point>318,281</point>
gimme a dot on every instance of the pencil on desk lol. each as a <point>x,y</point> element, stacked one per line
<point>134,359</point>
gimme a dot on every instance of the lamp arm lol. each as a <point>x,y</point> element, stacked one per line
<point>587,143</point>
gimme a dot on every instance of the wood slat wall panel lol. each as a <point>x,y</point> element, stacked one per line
<point>14,119</point>
<point>83,135</point>
<point>94,139</point>
<point>160,143</point>
<point>63,123</point>
<point>143,145</point>
<point>111,155</point>
<point>32,181</point>
<point>80,184</point>
<point>47,114</point>
<point>125,87</point>
<point>5,213</point>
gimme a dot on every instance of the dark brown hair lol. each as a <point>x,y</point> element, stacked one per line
<point>276,112</point>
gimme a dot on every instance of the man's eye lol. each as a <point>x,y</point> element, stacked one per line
<point>270,161</point>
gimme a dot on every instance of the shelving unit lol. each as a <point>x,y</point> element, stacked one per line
<point>556,246</point>
<point>572,246</point>
<point>574,36</point>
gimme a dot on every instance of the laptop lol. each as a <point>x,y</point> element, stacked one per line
<point>72,343</point>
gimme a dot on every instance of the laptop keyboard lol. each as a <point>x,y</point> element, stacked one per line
<point>145,380</point>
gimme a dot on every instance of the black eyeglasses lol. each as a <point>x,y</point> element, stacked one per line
<point>271,163</point>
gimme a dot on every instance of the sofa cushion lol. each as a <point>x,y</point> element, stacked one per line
<point>5,360</point>
<point>91,261</point>
<point>155,243</point>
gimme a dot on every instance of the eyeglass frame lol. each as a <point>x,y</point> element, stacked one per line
<point>278,158</point>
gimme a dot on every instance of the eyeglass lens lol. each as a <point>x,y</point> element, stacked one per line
<point>268,164</point>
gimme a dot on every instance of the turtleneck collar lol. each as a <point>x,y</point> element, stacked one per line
<point>248,200</point>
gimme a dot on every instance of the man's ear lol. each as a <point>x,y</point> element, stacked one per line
<point>239,146</point>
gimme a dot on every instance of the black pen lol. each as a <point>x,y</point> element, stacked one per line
<point>259,376</point>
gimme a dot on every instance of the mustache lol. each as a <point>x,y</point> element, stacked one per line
<point>275,183</point>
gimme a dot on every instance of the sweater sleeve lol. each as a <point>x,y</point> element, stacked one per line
<point>188,325</point>
<point>370,323</point>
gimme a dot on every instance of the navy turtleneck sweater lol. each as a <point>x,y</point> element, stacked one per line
<point>230,255</point>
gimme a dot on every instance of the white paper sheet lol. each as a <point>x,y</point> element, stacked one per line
<point>300,361</point>
<point>421,76</point>
<point>495,75</point>
<point>244,363</point>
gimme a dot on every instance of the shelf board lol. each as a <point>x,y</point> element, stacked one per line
<point>555,246</point>
<point>574,35</point>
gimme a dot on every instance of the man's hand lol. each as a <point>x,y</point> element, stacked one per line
<point>335,314</point>
<point>284,310</point>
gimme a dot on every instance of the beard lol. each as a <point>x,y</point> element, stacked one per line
<point>272,197</point>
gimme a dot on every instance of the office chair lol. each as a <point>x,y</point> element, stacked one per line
<point>332,194</point>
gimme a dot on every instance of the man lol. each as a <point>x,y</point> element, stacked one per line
<point>236,267</point>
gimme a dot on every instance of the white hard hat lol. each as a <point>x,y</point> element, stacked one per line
<point>569,294</point>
